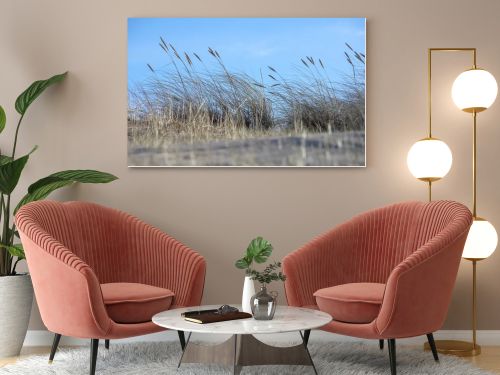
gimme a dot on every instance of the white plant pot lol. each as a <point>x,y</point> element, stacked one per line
<point>248,292</point>
<point>16,298</point>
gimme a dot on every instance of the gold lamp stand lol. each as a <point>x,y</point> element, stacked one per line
<point>455,347</point>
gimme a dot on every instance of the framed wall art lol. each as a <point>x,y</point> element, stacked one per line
<point>246,92</point>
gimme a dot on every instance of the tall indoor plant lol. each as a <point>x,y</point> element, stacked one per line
<point>16,291</point>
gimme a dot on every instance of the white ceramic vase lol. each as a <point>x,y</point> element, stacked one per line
<point>248,292</point>
<point>16,298</point>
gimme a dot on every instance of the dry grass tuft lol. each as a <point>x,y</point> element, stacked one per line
<point>190,102</point>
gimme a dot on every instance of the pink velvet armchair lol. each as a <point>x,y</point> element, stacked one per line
<point>385,274</point>
<point>99,273</point>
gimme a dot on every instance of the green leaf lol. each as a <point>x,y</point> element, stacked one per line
<point>86,176</point>
<point>15,250</point>
<point>42,193</point>
<point>10,172</point>
<point>43,187</point>
<point>47,182</point>
<point>242,263</point>
<point>31,93</point>
<point>4,159</point>
<point>12,233</point>
<point>260,258</point>
<point>3,119</point>
<point>259,250</point>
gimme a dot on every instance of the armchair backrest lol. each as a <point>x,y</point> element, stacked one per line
<point>94,233</point>
<point>386,236</point>
<point>379,241</point>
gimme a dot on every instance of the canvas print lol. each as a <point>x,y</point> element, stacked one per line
<point>254,92</point>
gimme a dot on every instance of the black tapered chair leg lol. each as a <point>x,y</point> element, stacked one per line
<point>381,344</point>
<point>432,344</point>
<point>182,339</point>
<point>94,346</point>
<point>55,344</point>
<point>106,344</point>
<point>307,333</point>
<point>392,355</point>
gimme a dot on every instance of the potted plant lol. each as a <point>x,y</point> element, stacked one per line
<point>258,250</point>
<point>16,291</point>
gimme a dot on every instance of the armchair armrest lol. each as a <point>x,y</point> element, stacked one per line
<point>419,289</point>
<point>68,292</point>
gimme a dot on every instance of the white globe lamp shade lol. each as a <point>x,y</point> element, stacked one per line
<point>481,241</point>
<point>474,90</point>
<point>429,159</point>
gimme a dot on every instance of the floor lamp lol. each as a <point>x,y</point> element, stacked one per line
<point>473,91</point>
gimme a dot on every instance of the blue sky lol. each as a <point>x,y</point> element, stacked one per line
<point>245,44</point>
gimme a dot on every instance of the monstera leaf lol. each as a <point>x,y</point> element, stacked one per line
<point>258,250</point>
<point>242,263</point>
<point>31,93</point>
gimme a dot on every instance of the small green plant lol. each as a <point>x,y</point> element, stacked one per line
<point>269,274</point>
<point>259,250</point>
<point>11,169</point>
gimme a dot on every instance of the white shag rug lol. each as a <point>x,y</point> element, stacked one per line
<point>162,357</point>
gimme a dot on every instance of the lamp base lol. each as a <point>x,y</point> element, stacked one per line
<point>456,348</point>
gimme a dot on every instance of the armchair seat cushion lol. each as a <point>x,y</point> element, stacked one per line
<point>351,303</point>
<point>135,303</point>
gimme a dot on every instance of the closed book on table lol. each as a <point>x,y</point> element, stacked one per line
<point>211,317</point>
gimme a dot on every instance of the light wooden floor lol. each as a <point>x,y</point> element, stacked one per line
<point>488,360</point>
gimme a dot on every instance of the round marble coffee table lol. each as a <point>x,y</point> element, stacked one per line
<point>242,348</point>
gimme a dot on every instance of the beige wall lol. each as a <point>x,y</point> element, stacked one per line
<point>82,124</point>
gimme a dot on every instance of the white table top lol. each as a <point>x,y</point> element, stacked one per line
<point>286,319</point>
